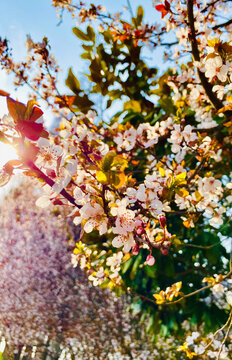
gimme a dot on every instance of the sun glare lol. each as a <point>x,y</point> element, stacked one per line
<point>7,153</point>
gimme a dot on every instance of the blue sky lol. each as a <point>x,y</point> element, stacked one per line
<point>38,18</point>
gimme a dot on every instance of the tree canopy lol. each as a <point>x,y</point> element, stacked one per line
<point>150,183</point>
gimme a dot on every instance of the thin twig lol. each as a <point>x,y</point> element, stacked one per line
<point>227,23</point>
<point>221,329</point>
<point>181,298</point>
<point>226,336</point>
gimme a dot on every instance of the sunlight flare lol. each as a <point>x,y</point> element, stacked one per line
<point>7,153</point>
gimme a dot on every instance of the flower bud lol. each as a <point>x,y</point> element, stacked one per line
<point>182,121</point>
<point>57,202</point>
<point>150,260</point>
<point>140,230</point>
<point>51,173</point>
<point>163,221</point>
<point>164,251</point>
<point>135,249</point>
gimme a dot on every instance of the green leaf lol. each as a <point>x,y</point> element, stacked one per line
<point>169,268</point>
<point>132,105</point>
<point>86,56</point>
<point>150,271</point>
<point>116,180</point>
<point>126,265</point>
<point>213,255</point>
<point>150,323</point>
<point>72,82</point>
<point>80,34</point>
<point>83,103</point>
<point>107,36</point>
<point>157,117</point>
<point>167,104</point>
<point>135,266</point>
<point>107,161</point>
<point>87,47</point>
<point>140,14</point>
<point>91,33</point>
<point>164,330</point>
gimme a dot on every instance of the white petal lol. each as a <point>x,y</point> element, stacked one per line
<point>43,202</point>
<point>118,241</point>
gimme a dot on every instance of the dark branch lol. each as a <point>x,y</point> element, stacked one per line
<point>196,55</point>
<point>227,23</point>
<point>50,182</point>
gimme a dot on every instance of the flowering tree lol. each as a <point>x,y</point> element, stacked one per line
<point>151,188</point>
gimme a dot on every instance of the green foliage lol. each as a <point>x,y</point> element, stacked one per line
<point>72,82</point>
<point>117,71</point>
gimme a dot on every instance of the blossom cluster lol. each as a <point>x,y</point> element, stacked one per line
<point>94,177</point>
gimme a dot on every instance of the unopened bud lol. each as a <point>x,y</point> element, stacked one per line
<point>82,187</point>
<point>51,173</point>
<point>140,230</point>
<point>164,251</point>
<point>150,260</point>
<point>135,249</point>
<point>57,202</point>
<point>163,221</point>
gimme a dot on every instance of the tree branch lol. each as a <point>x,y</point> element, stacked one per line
<point>227,23</point>
<point>196,56</point>
<point>50,182</point>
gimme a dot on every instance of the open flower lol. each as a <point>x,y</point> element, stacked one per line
<point>126,241</point>
<point>214,67</point>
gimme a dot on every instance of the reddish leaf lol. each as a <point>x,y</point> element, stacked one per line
<point>15,163</point>
<point>65,101</point>
<point>164,9</point>
<point>44,134</point>
<point>8,168</point>
<point>30,173</point>
<point>21,112</point>
<point>16,109</point>
<point>4,93</point>
<point>35,114</point>
<point>29,109</point>
<point>31,130</point>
